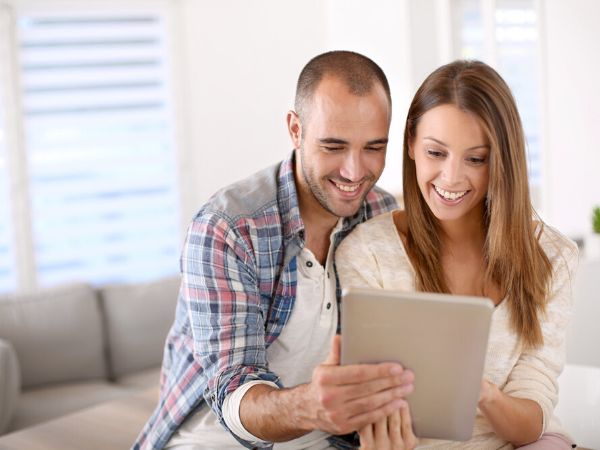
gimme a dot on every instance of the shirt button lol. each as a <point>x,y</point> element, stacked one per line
<point>329,305</point>
<point>309,263</point>
<point>328,275</point>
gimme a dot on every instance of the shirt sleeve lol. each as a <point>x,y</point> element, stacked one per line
<point>231,412</point>
<point>220,289</point>
<point>536,372</point>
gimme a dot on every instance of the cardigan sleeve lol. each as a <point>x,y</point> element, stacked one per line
<point>535,374</point>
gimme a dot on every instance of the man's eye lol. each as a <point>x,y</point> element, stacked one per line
<point>375,149</point>
<point>333,149</point>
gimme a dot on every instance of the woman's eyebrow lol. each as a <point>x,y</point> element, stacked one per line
<point>475,147</point>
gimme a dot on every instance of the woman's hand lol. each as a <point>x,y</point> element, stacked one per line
<point>392,433</point>
<point>488,393</point>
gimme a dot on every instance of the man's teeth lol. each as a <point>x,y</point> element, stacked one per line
<point>449,195</point>
<point>345,188</point>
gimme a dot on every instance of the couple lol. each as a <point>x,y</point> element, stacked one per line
<point>253,356</point>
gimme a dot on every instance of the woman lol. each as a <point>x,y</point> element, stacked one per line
<point>469,228</point>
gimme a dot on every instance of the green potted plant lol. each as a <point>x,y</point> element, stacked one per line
<point>592,246</point>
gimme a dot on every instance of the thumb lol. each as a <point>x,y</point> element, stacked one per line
<point>333,359</point>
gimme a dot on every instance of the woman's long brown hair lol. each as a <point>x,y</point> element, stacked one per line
<point>514,259</point>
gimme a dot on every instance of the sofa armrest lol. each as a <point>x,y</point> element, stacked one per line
<point>10,383</point>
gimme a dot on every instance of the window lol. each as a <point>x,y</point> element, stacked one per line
<point>99,145</point>
<point>504,33</point>
<point>7,260</point>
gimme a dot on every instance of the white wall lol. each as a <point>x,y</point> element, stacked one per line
<point>240,61</point>
<point>380,30</point>
<point>572,53</point>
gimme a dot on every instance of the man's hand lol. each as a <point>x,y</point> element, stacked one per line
<point>348,398</point>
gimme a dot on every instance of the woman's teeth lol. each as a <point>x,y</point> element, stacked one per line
<point>449,195</point>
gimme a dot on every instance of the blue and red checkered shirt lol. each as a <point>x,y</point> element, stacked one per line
<point>238,289</point>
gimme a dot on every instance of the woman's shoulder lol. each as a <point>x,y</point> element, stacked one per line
<point>557,246</point>
<point>376,224</point>
<point>377,229</point>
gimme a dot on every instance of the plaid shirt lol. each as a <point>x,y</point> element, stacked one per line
<point>238,289</point>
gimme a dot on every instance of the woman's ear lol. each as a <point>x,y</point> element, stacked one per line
<point>411,152</point>
<point>294,128</point>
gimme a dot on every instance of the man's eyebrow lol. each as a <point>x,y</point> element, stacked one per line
<point>343,142</point>
<point>378,141</point>
<point>446,145</point>
<point>333,141</point>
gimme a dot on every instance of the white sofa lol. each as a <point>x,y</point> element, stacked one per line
<point>67,348</point>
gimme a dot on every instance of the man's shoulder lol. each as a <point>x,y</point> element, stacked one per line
<point>248,197</point>
<point>379,201</point>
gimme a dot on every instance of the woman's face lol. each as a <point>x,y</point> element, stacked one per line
<point>451,154</point>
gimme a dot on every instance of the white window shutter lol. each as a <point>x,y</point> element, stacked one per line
<point>100,146</point>
<point>7,259</point>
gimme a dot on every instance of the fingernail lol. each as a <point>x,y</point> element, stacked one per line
<point>396,370</point>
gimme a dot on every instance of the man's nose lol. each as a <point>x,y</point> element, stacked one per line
<point>352,168</point>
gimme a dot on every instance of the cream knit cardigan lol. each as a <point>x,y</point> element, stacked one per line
<point>373,255</point>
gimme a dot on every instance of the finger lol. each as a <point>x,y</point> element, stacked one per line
<point>366,437</point>
<point>360,373</point>
<point>381,433</point>
<point>394,424</point>
<point>408,436</point>
<point>333,359</point>
<point>360,420</point>
<point>375,401</point>
<point>355,391</point>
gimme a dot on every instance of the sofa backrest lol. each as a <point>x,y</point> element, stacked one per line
<point>138,318</point>
<point>56,333</point>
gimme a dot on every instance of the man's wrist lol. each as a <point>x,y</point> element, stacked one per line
<point>276,415</point>
<point>300,407</point>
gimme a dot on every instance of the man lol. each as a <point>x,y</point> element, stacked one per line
<point>247,361</point>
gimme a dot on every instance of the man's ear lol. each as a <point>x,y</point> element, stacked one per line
<point>294,128</point>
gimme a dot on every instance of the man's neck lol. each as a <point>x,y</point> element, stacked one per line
<point>318,225</point>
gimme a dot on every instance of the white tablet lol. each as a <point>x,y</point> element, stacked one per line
<point>442,338</point>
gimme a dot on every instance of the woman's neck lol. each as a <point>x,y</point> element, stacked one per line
<point>466,231</point>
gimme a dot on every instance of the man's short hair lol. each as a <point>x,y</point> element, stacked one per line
<point>358,72</point>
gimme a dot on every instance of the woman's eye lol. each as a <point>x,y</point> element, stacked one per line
<point>435,153</point>
<point>475,160</point>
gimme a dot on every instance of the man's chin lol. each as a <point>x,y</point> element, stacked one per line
<point>346,210</point>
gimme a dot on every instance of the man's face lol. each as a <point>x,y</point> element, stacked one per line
<point>341,146</point>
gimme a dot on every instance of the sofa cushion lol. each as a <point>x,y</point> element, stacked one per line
<point>49,402</point>
<point>10,383</point>
<point>56,334</point>
<point>138,318</point>
<point>141,380</point>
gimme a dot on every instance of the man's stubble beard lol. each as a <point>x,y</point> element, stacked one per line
<point>319,194</point>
